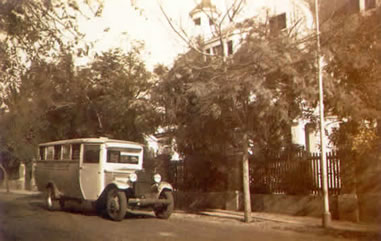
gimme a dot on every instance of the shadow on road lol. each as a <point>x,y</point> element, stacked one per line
<point>346,234</point>
<point>36,203</point>
<point>139,215</point>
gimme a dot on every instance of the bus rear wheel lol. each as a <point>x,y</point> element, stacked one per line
<point>116,206</point>
<point>50,198</point>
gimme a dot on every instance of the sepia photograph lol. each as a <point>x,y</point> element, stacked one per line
<point>184,120</point>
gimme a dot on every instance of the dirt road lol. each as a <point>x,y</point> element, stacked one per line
<point>24,217</point>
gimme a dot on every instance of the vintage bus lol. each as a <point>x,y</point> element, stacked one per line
<point>101,170</point>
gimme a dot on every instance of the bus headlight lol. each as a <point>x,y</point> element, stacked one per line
<point>157,178</point>
<point>133,177</point>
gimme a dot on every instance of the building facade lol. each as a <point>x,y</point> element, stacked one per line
<point>215,23</point>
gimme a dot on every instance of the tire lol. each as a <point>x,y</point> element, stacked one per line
<point>62,203</point>
<point>116,205</point>
<point>50,199</point>
<point>165,211</point>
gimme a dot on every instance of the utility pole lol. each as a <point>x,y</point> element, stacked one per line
<point>326,213</point>
<point>246,179</point>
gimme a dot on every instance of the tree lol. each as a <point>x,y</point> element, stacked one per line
<point>45,97</point>
<point>34,35</point>
<point>38,30</point>
<point>352,45</point>
<point>353,62</point>
<point>246,102</point>
<point>117,93</point>
<point>55,101</point>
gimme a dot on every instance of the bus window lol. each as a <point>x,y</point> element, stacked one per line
<point>91,154</point>
<point>127,158</point>
<point>57,152</point>
<point>75,151</point>
<point>42,153</point>
<point>113,156</point>
<point>65,152</point>
<point>50,154</point>
<point>123,155</point>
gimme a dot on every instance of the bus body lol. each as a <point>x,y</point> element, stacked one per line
<point>100,170</point>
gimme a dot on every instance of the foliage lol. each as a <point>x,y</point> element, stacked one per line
<point>118,94</point>
<point>54,101</point>
<point>37,30</point>
<point>215,101</point>
<point>46,97</point>
<point>353,45</point>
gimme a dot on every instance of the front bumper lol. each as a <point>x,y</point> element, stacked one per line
<point>147,202</point>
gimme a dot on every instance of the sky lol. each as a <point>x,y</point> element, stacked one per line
<point>120,25</point>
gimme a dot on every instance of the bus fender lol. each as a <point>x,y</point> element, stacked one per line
<point>163,186</point>
<point>121,184</point>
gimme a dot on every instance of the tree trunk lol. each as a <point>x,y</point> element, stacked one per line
<point>246,180</point>
<point>5,177</point>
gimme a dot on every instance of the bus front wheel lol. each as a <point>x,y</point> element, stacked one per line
<point>116,206</point>
<point>165,211</point>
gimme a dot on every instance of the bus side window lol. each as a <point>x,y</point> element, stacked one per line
<point>65,152</point>
<point>42,153</point>
<point>75,151</point>
<point>91,154</point>
<point>50,154</point>
<point>113,156</point>
<point>57,152</point>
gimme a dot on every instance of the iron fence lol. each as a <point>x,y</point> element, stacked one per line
<point>299,173</point>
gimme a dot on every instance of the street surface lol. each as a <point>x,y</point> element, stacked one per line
<point>24,217</point>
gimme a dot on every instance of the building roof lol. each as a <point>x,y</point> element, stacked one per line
<point>204,4</point>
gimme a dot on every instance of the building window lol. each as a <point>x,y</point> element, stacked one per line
<point>208,51</point>
<point>211,22</point>
<point>197,21</point>
<point>277,23</point>
<point>217,50</point>
<point>369,4</point>
<point>230,47</point>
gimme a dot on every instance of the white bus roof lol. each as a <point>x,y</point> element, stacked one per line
<point>99,140</point>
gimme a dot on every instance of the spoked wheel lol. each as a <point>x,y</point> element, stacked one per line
<point>165,211</point>
<point>116,204</point>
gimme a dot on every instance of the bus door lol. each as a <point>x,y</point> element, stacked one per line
<point>90,171</point>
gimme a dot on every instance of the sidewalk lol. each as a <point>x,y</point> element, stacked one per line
<point>296,221</point>
<point>21,192</point>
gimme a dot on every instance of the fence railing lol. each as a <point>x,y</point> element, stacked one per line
<point>299,173</point>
